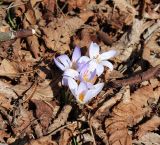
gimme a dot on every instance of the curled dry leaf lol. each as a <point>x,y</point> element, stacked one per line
<point>128,114</point>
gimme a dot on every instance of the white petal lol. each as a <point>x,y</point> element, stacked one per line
<point>71,73</point>
<point>107,64</point>
<point>92,65</point>
<point>99,69</point>
<point>73,86</point>
<point>93,50</point>
<point>58,64</point>
<point>107,55</point>
<point>76,54</point>
<point>94,90</point>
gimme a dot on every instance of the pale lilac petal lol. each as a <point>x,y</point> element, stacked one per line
<point>65,81</point>
<point>107,55</point>
<point>107,64</point>
<point>63,62</point>
<point>73,86</point>
<point>92,75</point>
<point>92,65</point>
<point>58,64</point>
<point>64,59</point>
<point>99,69</point>
<point>71,73</point>
<point>82,61</point>
<point>76,54</point>
<point>93,50</point>
<point>93,92</point>
<point>82,88</point>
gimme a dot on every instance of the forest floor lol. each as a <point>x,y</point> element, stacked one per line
<point>35,109</point>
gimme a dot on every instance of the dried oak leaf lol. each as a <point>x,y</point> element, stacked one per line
<point>150,125</point>
<point>58,32</point>
<point>44,111</point>
<point>128,114</point>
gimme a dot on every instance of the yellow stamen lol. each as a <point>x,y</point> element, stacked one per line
<point>81,97</point>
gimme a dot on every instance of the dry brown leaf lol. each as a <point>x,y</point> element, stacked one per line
<point>6,91</point>
<point>50,4</point>
<point>148,139</point>
<point>65,137</point>
<point>8,69</point>
<point>44,111</point>
<point>128,114</point>
<point>22,120</point>
<point>43,91</point>
<point>61,120</point>
<point>57,33</point>
<point>152,49</point>
<point>150,125</point>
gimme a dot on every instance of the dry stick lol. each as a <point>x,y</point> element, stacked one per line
<point>4,36</point>
<point>144,76</point>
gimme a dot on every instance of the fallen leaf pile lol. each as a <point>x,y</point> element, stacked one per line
<point>35,109</point>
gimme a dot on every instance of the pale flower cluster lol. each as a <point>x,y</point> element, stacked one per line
<point>81,72</point>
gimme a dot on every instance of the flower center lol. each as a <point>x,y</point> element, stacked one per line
<point>81,97</point>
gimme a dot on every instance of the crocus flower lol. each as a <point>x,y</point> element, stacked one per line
<point>68,66</point>
<point>96,60</point>
<point>87,76</point>
<point>82,92</point>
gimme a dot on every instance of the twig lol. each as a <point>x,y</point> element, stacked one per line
<point>4,36</point>
<point>144,76</point>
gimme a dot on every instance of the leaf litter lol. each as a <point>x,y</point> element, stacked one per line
<point>34,106</point>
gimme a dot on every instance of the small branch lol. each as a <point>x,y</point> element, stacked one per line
<point>144,76</point>
<point>4,36</point>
